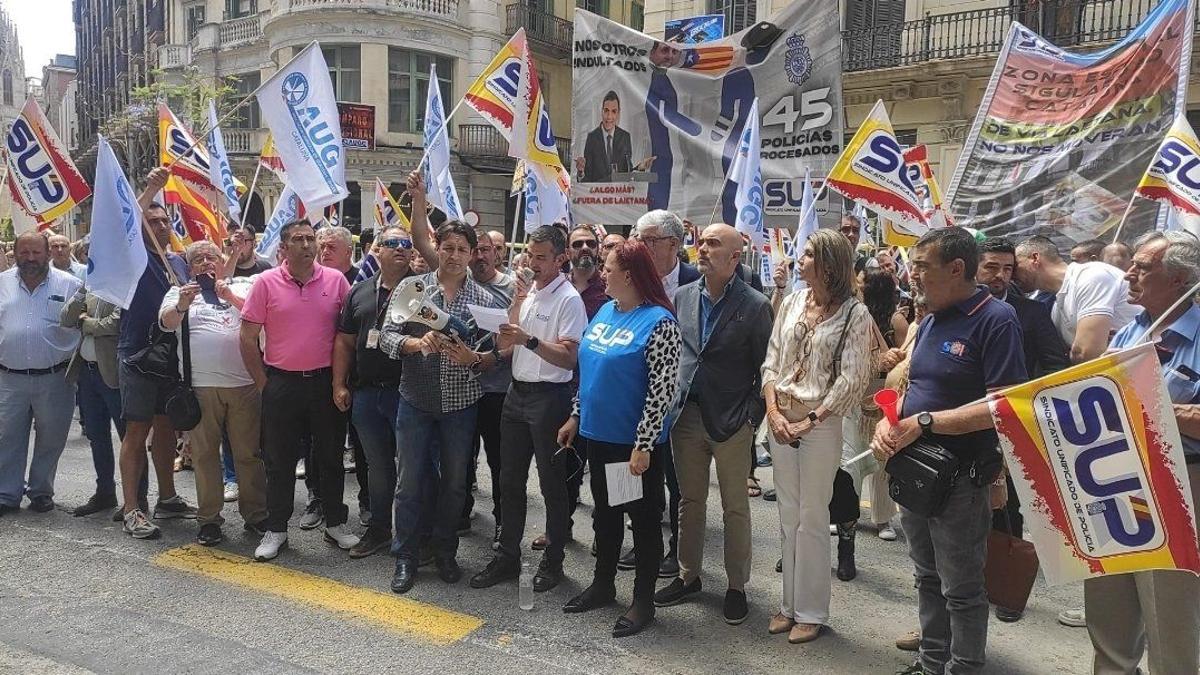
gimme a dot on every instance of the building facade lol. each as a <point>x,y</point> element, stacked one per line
<point>58,97</point>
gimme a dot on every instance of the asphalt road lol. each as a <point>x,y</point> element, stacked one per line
<point>77,595</point>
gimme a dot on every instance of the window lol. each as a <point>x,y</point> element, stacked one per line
<point>637,16</point>
<point>8,88</point>
<point>739,14</point>
<point>594,6</point>
<point>344,71</point>
<point>247,116</point>
<point>408,85</point>
<point>194,19</point>
<point>876,26</point>
<point>236,9</point>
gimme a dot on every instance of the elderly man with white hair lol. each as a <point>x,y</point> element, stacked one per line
<point>336,247</point>
<point>662,232</point>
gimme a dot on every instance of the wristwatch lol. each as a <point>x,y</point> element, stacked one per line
<point>926,421</point>
<point>813,416</point>
<point>532,343</point>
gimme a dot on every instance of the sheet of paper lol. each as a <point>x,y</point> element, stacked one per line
<point>488,318</point>
<point>623,487</point>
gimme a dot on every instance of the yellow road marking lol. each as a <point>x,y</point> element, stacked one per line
<point>421,620</point>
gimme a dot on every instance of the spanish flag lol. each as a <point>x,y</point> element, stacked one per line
<point>270,160</point>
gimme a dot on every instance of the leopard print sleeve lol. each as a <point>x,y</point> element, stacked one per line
<point>662,356</point>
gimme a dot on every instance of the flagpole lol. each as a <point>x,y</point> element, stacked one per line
<point>1128,208</point>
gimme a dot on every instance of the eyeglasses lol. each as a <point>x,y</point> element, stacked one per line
<point>580,243</point>
<point>396,243</point>
<point>651,240</point>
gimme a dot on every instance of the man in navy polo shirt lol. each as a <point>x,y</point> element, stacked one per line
<point>969,344</point>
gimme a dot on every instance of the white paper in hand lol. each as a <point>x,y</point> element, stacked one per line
<point>488,318</point>
<point>623,487</point>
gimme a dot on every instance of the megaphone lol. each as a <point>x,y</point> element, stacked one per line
<point>409,304</point>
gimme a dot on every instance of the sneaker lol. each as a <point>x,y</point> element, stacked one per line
<point>364,516</point>
<point>909,642</point>
<point>118,514</point>
<point>95,504</point>
<point>41,504</point>
<point>314,515</point>
<point>210,535</point>
<point>887,532</point>
<point>231,492</point>
<point>300,469</point>
<point>139,526</point>
<point>736,609</point>
<point>175,507</point>
<point>372,541</point>
<point>1075,618</point>
<point>348,463</point>
<point>342,537</point>
<point>270,546</point>
<point>676,592</point>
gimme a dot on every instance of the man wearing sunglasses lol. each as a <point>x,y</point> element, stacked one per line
<point>358,364</point>
<point>585,269</point>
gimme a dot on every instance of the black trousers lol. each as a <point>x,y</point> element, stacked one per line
<point>293,406</point>
<point>645,514</point>
<point>312,468</point>
<point>533,413</point>
<point>843,505</point>
<point>487,430</point>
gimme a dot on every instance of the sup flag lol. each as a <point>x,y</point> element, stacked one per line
<point>299,107</point>
<point>532,136</point>
<point>288,208</point>
<point>1095,455</point>
<point>270,160</point>
<point>1174,175</point>
<point>387,210</point>
<point>41,176</point>
<point>179,149</point>
<point>545,201</point>
<point>745,172</point>
<point>439,184</point>
<point>117,254</point>
<point>871,171</point>
<point>494,93</point>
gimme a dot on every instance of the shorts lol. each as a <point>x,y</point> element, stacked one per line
<point>142,397</point>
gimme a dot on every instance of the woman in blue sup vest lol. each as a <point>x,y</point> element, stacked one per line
<point>628,376</point>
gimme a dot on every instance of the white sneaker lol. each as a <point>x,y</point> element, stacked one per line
<point>139,526</point>
<point>231,492</point>
<point>340,536</point>
<point>887,532</point>
<point>300,469</point>
<point>270,546</point>
<point>833,530</point>
<point>1075,618</point>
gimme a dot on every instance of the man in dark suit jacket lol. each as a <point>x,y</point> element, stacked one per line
<point>607,146</point>
<point>725,326</point>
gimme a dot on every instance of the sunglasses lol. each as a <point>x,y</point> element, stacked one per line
<point>396,243</point>
<point>580,243</point>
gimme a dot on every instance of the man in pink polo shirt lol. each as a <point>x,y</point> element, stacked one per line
<point>298,304</point>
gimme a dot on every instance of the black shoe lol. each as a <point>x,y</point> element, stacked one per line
<point>405,576</point>
<point>736,609</point>
<point>547,577</point>
<point>627,561</point>
<point>846,569</point>
<point>464,525</point>
<point>257,529</point>
<point>95,504</point>
<point>499,569</point>
<point>448,570</point>
<point>210,535</point>
<point>593,548</point>
<point>779,566</point>
<point>676,592</point>
<point>41,504</point>
<point>373,541</point>
<point>5,508</point>
<point>1008,615</point>
<point>627,626</point>
<point>592,597</point>
<point>669,567</point>
<point>769,495</point>
<point>426,556</point>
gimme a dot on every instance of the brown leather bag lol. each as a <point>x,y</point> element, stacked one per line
<point>1012,566</point>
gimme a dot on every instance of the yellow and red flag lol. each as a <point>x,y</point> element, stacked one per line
<point>532,137</point>
<point>494,93</point>
<point>387,210</point>
<point>180,150</point>
<point>200,219</point>
<point>1096,458</point>
<point>1174,175</point>
<point>270,159</point>
<point>41,176</point>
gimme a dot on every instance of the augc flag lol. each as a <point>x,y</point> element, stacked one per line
<point>301,111</point>
<point>872,171</point>
<point>117,256</point>
<point>439,183</point>
<point>288,208</point>
<point>1095,455</point>
<point>745,171</point>
<point>1174,175</point>
<point>220,171</point>
<point>41,175</point>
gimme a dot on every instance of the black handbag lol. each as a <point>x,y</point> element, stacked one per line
<point>182,406</point>
<point>159,359</point>
<point>921,477</point>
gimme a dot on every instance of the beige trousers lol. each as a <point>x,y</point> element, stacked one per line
<point>237,410</point>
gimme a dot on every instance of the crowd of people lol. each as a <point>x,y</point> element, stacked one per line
<point>618,363</point>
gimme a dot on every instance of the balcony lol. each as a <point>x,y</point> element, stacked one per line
<point>483,143</point>
<point>544,29</point>
<point>174,56</point>
<point>244,141</point>
<point>237,32</point>
<point>446,10</point>
<point>982,32</point>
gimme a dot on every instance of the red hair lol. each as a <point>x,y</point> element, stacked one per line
<point>634,258</point>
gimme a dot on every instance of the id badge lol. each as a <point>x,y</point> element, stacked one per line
<point>373,339</point>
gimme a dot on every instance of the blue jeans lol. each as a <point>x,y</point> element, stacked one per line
<point>99,412</point>
<point>374,416</point>
<point>227,471</point>
<point>44,402</point>
<point>433,447</point>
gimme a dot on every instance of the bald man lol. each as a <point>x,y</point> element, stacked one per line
<point>725,326</point>
<point>60,257</point>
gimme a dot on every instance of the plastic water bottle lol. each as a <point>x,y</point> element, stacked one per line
<point>525,584</point>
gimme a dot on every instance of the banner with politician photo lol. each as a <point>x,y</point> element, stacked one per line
<point>655,124</point>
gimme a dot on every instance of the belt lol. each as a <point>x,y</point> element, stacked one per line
<point>532,387</point>
<point>34,371</point>
<point>300,373</point>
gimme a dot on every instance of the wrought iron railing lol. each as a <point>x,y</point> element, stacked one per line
<point>485,141</point>
<point>982,32</point>
<point>442,9</point>
<point>545,28</point>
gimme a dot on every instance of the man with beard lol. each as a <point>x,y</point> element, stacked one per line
<point>245,262</point>
<point>34,352</point>
<point>585,269</point>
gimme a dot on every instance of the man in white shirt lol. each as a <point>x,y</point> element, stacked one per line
<point>1090,298</point>
<point>34,393</point>
<point>229,401</point>
<point>546,324</point>
<point>60,257</point>
<point>662,232</point>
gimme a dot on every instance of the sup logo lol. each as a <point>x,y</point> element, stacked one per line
<point>181,146</point>
<point>610,336</point>
<point>1179,164</point>
<point>37,176</point>
<point>1100,473</point>
<point>503,82</point>
<point>882,160</point>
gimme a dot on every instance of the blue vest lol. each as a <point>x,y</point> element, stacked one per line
<point>614,375</point>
